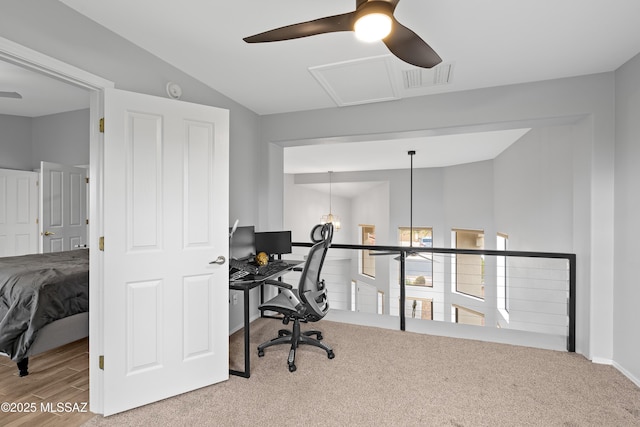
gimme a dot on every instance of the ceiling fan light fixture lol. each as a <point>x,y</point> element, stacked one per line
<point>373,26</point>
<point>373,20</point>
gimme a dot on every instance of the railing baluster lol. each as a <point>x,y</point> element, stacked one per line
<point>403,295</point>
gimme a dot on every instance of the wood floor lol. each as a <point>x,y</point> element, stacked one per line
<point>55,393</point>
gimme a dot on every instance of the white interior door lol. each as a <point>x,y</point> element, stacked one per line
<point>165,219</point>
<point>63,207</point>
<point>18,212</point>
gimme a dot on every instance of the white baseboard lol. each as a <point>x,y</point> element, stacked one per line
<point>241,325</point>
<point>627,374</point>
<point>602,361</point>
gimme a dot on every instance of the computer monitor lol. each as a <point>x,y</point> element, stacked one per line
<point>242,243</point>
<point>274,242</point>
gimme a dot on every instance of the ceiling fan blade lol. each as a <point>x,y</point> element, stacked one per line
<point>397,258</point>
<point>14,95</point>
<point>409,47</point>
<point>382,253</point>
<point>419,255</point>
<point>329,24</point>
<point>424,256</point>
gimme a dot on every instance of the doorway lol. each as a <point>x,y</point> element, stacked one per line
<point>31,60</point>
<point>146,226</point>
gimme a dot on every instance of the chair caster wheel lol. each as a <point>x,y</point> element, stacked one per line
<point>319,337</point>
<point>260,353</point>
<point>281,333</point>
<point>331,355</point>
<point>292,368</point>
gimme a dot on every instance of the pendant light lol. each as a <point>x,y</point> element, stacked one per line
<point>330,217</point>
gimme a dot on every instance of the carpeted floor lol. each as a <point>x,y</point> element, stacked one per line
<point>392,378</point>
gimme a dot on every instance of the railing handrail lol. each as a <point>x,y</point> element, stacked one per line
<point>494,252</point>
<point>402,250</point>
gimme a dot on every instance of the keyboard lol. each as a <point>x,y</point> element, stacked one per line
<point>238,274</point>
<point>241,269</point>
<point>272,268</point>
<point>243,265</point>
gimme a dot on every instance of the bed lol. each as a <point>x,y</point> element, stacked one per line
<point>44,303</point>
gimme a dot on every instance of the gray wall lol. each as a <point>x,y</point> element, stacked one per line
<point>534,191</point>
<point>15,142</point>
<point>59,138</point>
<point>626,292</point>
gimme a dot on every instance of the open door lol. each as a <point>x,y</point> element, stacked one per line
<point>63,207</point>
<point>165,218</point>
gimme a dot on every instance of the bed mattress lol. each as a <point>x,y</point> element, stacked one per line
<point>36,290</point>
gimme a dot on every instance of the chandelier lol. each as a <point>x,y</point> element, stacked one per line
<point>330,217</point>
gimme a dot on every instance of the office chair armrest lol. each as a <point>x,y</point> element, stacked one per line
<point>278,284</point>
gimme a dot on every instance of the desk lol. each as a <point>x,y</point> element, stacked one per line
<point>245,285</point>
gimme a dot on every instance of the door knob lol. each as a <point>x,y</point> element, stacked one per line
<point>220,260</point>
<point>49,233</point>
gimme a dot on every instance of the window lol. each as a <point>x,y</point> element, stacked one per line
<point>367,262</point>
<point>353,295</point>
<point>501,275</point>
<point>467,316</point>
<point>418,308</point>
<point>468,269</point>
<point>419,265</point>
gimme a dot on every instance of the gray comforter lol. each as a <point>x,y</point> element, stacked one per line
<point>36,290</point>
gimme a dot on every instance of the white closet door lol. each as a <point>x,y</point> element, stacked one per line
<point>18,212</point>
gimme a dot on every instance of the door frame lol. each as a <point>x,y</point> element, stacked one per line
<point>35,61</point>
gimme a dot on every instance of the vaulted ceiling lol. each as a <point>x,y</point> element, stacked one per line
<point>482,43</point>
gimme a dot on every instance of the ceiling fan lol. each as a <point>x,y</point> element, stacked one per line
<point>428,257</point>
<point>401,41</point>
<point>14,95</point>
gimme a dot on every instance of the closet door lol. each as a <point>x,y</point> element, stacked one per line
<point>18,212</point>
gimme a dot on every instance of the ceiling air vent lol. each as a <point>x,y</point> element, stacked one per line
<point>416,78</point>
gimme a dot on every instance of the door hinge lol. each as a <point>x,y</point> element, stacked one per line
<point>86,180</point>
<point>37,220</point>
<point>86,221</point>
<point>101,362</point>
<point>102,125</point>
<point>101,243</point>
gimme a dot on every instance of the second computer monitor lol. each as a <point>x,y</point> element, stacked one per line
<point>242,244</point>
<point>274,242</point>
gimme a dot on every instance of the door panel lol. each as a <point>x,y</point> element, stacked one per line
<point>63,224</point>
<point>165,218</point>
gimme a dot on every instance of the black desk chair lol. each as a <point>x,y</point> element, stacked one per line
<point>308,303</point>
